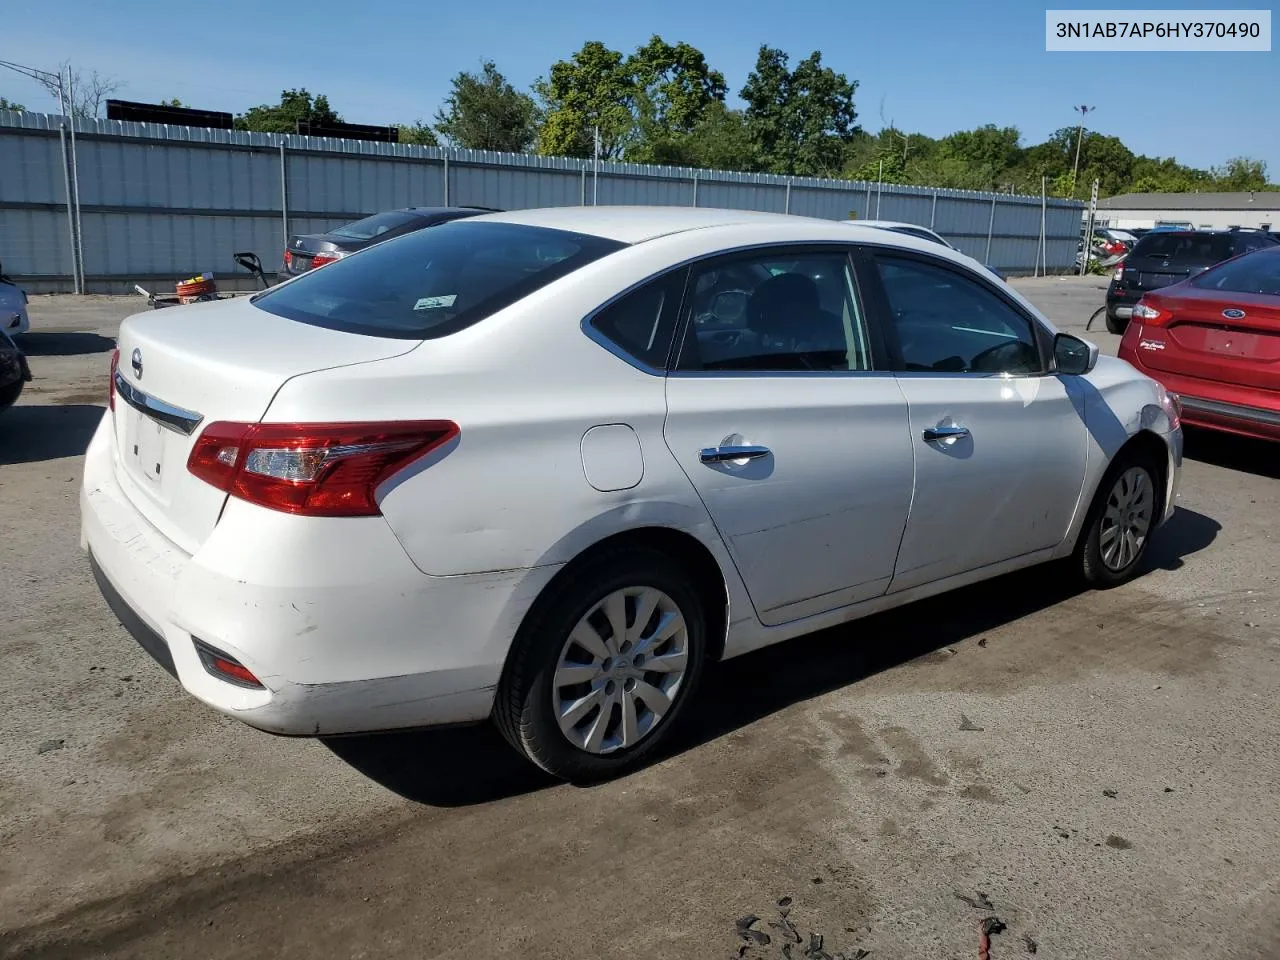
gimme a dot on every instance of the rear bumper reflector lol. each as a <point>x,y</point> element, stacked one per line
<point>225,667</point>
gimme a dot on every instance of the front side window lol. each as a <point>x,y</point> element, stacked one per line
<point>432,283</point>
<point>775,312</point>
<point>947,323</point>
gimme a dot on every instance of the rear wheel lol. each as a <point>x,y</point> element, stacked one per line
<point>1120,522</point>
<point>1116,324</point>
<point>604,666</point>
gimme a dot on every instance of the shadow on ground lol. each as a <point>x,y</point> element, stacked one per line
<point>64,344</point>
<point>29,434</point>
<point>1259,457</point>
<point>471,765</point>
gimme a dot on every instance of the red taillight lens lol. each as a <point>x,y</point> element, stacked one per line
<point>314,469</point>
<point>1151,315</point>
<point>111,379</point>
<point>320,259</point>
<point>288,258</point>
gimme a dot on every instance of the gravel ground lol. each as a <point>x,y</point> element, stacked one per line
<point>1098,770</point>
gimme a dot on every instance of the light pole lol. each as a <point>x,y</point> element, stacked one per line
<point>1082,110</point>
<point>53,81</point>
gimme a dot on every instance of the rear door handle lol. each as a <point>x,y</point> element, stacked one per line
<point>934,434</point>
<point>732,453</point>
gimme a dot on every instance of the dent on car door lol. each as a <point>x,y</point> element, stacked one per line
<point>796,444</point>
<point>1000,446</point>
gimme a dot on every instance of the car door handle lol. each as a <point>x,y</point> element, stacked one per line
<point>732,453</point>
<point>934,434</point>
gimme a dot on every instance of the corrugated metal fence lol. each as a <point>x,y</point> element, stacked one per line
<point>159,202</point>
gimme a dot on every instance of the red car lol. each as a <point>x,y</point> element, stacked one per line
<point>1214,340</point>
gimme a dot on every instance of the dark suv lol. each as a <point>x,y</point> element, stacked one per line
<point>1167,256</point>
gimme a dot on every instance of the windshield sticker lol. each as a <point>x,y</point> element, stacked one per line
<point>435,303</point>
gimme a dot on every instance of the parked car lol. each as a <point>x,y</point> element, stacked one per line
<point>545,465</point>
<point>914,230</point>
<point>308,251</point>
<point>14,371</point>
<point>13,307</point>
<point>1214,339</point>
<point>1163,257</point>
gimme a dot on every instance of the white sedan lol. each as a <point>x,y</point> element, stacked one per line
<point>543,466</point>
<point>13,308</point>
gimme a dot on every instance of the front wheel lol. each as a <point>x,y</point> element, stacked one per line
<point>1120,523</point>
<point>604,666</point>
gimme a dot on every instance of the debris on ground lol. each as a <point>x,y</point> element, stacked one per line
<point>967,724</point>
<point>791,938</point>
<point>49,745</point>
<point>980,902</point>
<point>987,927</point>
<point>1030,944</point>
<point>982,642</point>
<point>1118,843</point>
<point>1110,793</point>
<point>744,927</point>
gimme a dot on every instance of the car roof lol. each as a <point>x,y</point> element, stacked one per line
<point>633,224</point>
<point>890,225</point>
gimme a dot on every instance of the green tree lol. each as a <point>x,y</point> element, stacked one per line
<point>484,112</point>
<point>673,88</point>
<point>173,102</point>
<point>1240,174</point>
<point>593,89</point>
<point>6,104</point>
<point>295,106</point>
<point>990,152</point>
<point>420,134</point>
<point>800,121</point>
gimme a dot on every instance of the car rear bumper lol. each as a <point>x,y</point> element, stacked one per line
<point>345,638</point>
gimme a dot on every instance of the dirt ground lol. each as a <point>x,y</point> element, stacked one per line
<point>1100,771</point>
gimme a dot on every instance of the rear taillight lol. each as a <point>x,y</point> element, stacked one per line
<point>288,258</point>
<point>313,469</point>
<point>111,379</point>
<point>1151,315</point>
<point>320,259</point>
<point>1119,275</point>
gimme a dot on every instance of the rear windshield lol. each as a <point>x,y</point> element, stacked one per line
<point>374,226</point>
<point>1256,273</point>
<point>1189,247</point>
<point>432,283</point>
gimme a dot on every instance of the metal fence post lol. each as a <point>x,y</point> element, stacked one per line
<point>933,210</point>
<point>787,206</point>
<point>879,189</point>
<point>78,252</point>
<point>990,226</point>
<point>284,195</point>
<point>1042,253</point>
<point>868,210</point>
<point>584,183</point>
<point>695,188</point>
<point>71,217</point>
<point>446,176</point>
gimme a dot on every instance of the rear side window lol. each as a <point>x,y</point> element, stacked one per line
<point>432,283</point>
<point>642,323</point>
<point>918,234</point>
<point>1189,247</point>
<point>374,226</point>
<point>1257,273</point>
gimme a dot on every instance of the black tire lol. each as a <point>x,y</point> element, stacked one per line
<point>524,709</point>
<point>9,394</point>
<point>1116,324</point>
<point>1088,557</point>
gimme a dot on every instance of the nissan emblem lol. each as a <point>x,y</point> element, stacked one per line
<point>136,362</point>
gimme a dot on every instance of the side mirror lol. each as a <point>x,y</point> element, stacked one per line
<point>1074,356</point>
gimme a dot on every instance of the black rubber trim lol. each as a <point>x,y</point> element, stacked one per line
<point>147,638</point>
<point>1235,410</point>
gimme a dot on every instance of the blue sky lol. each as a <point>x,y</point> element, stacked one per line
<point>929,66</point>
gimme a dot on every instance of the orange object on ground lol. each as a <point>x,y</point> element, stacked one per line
<point>196,289</point>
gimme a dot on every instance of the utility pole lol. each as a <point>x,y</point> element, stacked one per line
<point>1082,110</point>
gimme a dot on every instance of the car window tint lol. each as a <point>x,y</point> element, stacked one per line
<point>947,323</point>
<point>431,283</point>
<point>776,313</point>
<point>374,226</point>
<point>1257,273</point>
<point>642,322</point>
<point>1191,247</point>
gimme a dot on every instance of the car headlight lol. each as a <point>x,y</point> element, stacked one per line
<point>1171,404</point>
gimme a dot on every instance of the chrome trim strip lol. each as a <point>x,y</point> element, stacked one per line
<point>1223,409</point>
<point>166,414</point>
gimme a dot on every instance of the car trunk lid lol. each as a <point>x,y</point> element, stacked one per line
<point>181,369</point>
<point>1231,338</point>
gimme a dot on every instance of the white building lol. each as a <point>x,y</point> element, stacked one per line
<point>1204,211</point>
